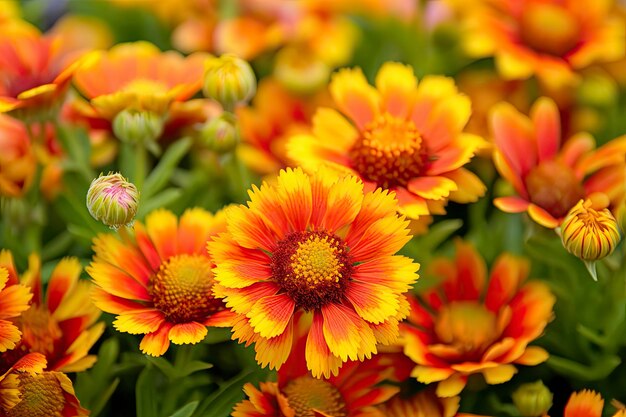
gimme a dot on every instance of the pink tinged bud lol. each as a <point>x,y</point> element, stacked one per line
<point>112,200</point>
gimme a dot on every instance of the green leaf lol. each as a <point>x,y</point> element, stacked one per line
<point>186,410</point>
<point>102,398</point>
<point>191,367</point>
<point>221,402</point>
<point>162,199</point>
<point>597,371</point>
<point>164,366</point>
<point>146,392</point>
<point>161,174</point>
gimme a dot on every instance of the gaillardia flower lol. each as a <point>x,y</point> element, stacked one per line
<point>589,231</point>
<point>318,245</point>
<point>467,325</point>
<point>423,404</point>
<point>17,158</point>
<point>14,300</point>
<point>61,321</point>
<point>548,176</point>
<point>400,136</point>
<point>10,369</point>
<point>158,280</point>
<point>552,39</point>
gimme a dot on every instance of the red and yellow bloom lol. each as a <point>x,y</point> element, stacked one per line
<point>10,389</point>
<point>61,321</point>
<point>400,136</point>
<point>467,325</point>
<point>17,158</point>
<point>14,300</point>
<point>423,404</point>
<point>319,245</point>
<point>552,39</point>
<point>549,176</point>
<point>159,280</point>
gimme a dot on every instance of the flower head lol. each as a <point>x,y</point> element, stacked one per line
<point>398,136</point>
<point>317,245</point>
<point>550,39</point>
<point>467,325</point>
<point>159,280</point>
<point>590,232</point>
<point>11,368</point>
<point>112,200</point>
<point>548,176</point>
<point>61,321</point>
<point>423,404</point>
<point>17,158</point>
<point>14,299</point>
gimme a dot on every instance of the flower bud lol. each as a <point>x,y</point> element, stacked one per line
<point>112,200</point>
<point>220,134</point>
<point>229,80</point>
<point>137,126</point>
<point>590,231</point>
<point>532,400</point>
<point>300,72</point>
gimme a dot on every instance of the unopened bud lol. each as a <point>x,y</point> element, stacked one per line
<point>300,72</point>
<point>590,232</point>
<point>220,134</point>
<point>532,400</point>
<point>229,80</point>
<point>112,200</point>
<point>137,126</point>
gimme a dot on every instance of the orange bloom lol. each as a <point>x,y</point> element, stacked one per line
<point>34,70</point>
<point>17,158</point>
<point>548,177</point>
<point>423,404</point>
<point>265,126</point>
<point>398,136</point>
<point>158,281</point>
<point>14,300</point>
<point>585,403</point>
<point>136,77</point>
<point>61,322</point>
<point>314,244</point>
<point>467,325</point>
<point>10,390</point>
<point>551,39</point>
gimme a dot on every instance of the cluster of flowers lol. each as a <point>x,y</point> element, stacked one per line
<point>313,270</point>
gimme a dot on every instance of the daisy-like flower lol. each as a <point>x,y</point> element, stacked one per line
<point>314,244</point>
<point>398,135</point>
<point>551,39</point>
<point>585,403</point>
<point>548,176</point>
<point>34,71</point>
<point>14,300</point>
<point>265,126</point>
<point>467,325</point>
<point>159,280</point>
<point>139,78</point>
<point>10,393</point>
<point>61,322</point>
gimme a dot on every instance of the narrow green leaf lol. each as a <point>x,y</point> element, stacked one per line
<point>162,199</point>
<point>191,367</point>
<point>221,402</point>
<point>146,393</point>
<point>161,174</point>
<point>186,410</point>
<point>102,398</point>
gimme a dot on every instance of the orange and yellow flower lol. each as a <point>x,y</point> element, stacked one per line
<point>467,325</point>
<point>319,245</point>
<point>10,390</point>
<point>265,126</point>
<point>17,158</point>
<point>588,403</point>
<point>159,280</point>
<point>34,70</point>
<point>400,136</point>
<point>14,300</point>
<point>552,39</point>
<point>423,404</point>
<point>61,321</point>
<point>136,77</point>
<point>548,176</point>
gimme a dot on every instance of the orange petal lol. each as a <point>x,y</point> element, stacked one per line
<point>427,374</point>
<point>139,321</point>
<point>513,135</point>
<point>9,335</point>
<point>112,304</point>
<point>275,351</point>
<point>499,374</point>
<point>542,217</point>
<point>194,230</point>
<point>511,204</point>
<point>354,96</point>
<point>319,359</point>
<point>575,147</point>
<point>294,193</point>
<point>533,355</point>
<point>471,273</point>
<point>161,226</point>
<point>384,237</point>
<point>432,188</point>
<point>458,153</point>
<point>343,331</point>
<point>63,278</point>
<point>397,85</point>
<point>270,315</point>
<point>469,186</point>
<point>332,129</point>
<point>157,343</point>
<point>14,300</point>
<point>507,275</point>
<point>187,333</point>
<point>451,386</point>
<point>344,202</point>
<point>374,303</point>
<point>116,282</point>
<point>547,123</point>
<point>585,403</point>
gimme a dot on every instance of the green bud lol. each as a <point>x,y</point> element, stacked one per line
<point>533,399</point>
<point>299,72</point>
<point>220,134</point>
<point>137,126</point>
<point>229,80</point>
<point>112,200</point>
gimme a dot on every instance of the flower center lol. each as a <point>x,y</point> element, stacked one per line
<point>549,28</point>
<point>40,331</point>
<point>181,289</point>
<point>389,152</point>
<point>306,394</point>
<point>40,396</point>
<point>312,267</point>
<point>467,326</point>
<point>554,187</point>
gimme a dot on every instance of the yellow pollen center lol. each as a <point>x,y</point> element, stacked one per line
<point>549,28</point>
<point>389,152</point>
<point>40,396</point>
<point>181,289</point>
<point>467,326</point>
<point>306,394</point>
<point>554,187</point>
<point>40,331</point>
<point>312,267</point>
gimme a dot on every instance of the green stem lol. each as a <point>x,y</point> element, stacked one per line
<point>141,166</point>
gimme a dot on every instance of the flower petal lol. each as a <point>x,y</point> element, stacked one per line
<point>187,333</point>
<point>547,122</point>
<point>354,96</point>
<point>270,315</point>
<point>157,343</point>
